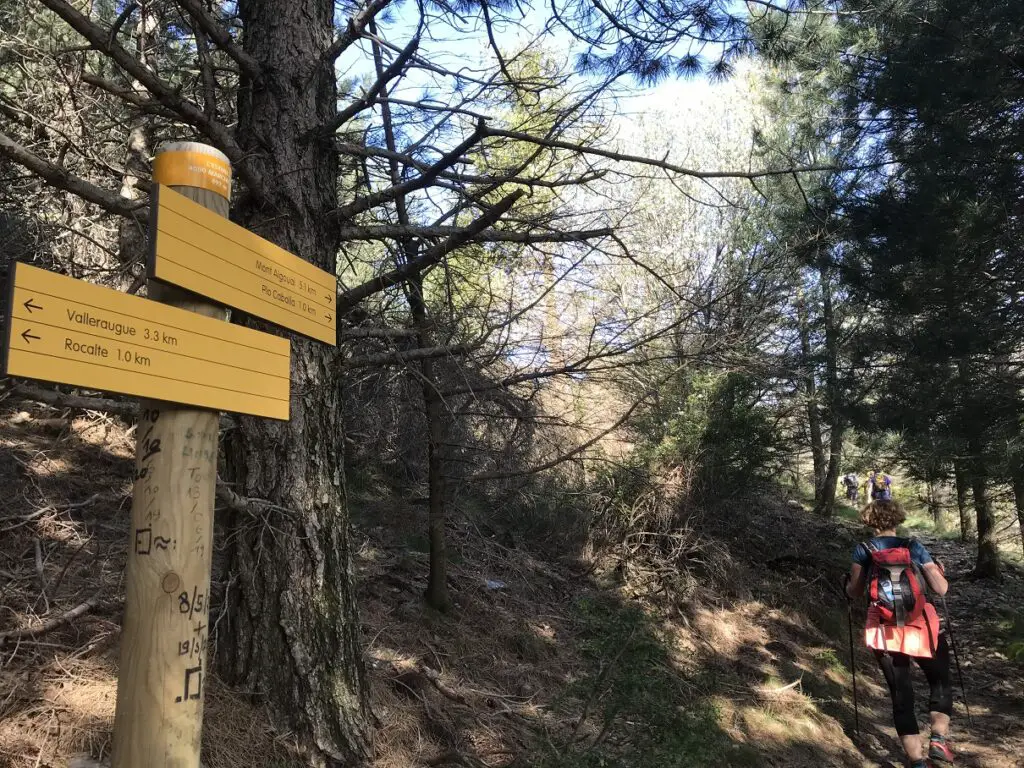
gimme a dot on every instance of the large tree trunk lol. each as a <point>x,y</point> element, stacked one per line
<point>934,502</point>
<point>834,397</point>
<point>293,632</point>
<point>1017,476</point>
<point>826,503</point>
<point>988,554</point>
<point>437,582</point>
<point>810,386</point>
<point>962,486</point>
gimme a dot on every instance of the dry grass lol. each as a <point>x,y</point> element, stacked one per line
<point>57,532</point>
<point>485,685</point>
<point>475,682</point>
<point>63,537</point>
<point>561,665</point>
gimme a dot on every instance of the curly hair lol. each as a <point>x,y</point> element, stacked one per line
<point>883,514</point>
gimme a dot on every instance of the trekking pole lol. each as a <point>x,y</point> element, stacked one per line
<point>853,661</point>
<point>956,658</point>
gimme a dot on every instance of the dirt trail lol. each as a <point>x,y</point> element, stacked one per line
<point>741,662</point>
<point>807,558</point>
<point>994,683</point>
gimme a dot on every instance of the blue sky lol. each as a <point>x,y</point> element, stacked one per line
<point>468,47</point>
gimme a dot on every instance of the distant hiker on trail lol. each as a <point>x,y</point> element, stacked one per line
<point>902,624</point>
<point>852,483</point>
<point>879,485</point>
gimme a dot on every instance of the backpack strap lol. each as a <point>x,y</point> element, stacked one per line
<point>869,547</point>
<point>918,570</point>
<point>895,583</point>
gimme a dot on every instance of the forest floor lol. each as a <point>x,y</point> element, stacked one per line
<point>735,655</point>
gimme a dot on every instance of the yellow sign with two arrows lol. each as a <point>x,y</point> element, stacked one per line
<point>72,332</point>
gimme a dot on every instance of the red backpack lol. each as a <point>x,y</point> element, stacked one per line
<point>896,586</point>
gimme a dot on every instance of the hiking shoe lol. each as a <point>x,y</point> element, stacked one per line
<point>939,750</point>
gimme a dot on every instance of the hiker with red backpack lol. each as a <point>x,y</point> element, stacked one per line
<point>902,625</point>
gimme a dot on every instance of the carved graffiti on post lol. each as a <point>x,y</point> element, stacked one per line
<point>193,685</point>
<point>190,604</point>
<point>146,542</point>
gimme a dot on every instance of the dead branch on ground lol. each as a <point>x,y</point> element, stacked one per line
<point>51,624</point>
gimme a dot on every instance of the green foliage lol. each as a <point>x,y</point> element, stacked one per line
<point>636,700</point>
<point>934,256</point>
<point>1011,632</point>
<point>830,659</point>
<point>719,423</point>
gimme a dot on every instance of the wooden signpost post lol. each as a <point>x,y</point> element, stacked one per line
<point>163,666</point>
<point>179,352</point>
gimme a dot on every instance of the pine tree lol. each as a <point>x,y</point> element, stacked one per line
<point>937,238</point>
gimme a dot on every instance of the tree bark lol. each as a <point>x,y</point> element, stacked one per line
<point>962,485</point>
<point>810,387</point>
<point>1017,477</point>
<point>139,150</point>
<point>833,394</point>
<point>988,564</point>
<point>433,406</point>
<point>934,503</point>
<point>293,628</point>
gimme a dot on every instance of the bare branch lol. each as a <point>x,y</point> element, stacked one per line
<point>57,621</point>
<point>430,257</point>
<point>61,179</point>
<point>399,356</point>
<point>364,102</point>
<point>209,79</point>
<point>62,400</point>
<point>355,28</point>
<point>128,96</point>
<point>126,408</point>
<point>376,333</point>
<point>584,149</point>
<point>167,95</point>
<point>222,38</point>
<point>398,231</point>
<point>122,18</point>
<point>558,459</point>
<point>367,151</point>
<point>426,178</point>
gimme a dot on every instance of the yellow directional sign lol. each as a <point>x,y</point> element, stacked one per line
<point>71,332</point>
<point>202,252</point>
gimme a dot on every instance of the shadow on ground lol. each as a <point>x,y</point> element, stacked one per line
<point>64,520</point>
<point>543,662</point>
<point>544,665</point>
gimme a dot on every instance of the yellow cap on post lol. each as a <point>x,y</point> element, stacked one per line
<point>191,164</point>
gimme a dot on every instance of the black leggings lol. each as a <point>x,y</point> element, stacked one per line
<point>896,668</point>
